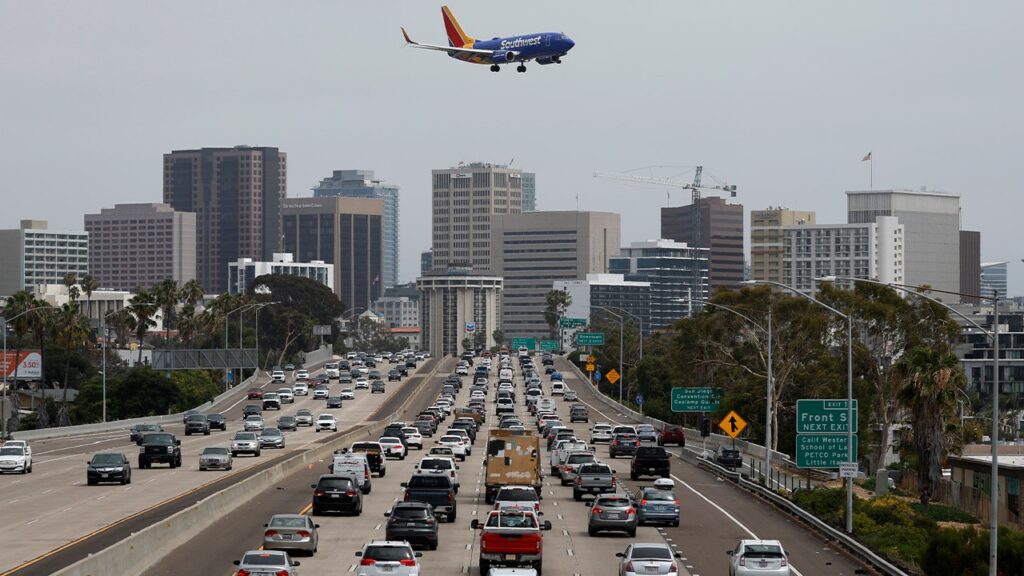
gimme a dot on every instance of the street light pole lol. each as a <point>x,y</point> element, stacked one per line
<point>622,375</point>
<point>639,320</point>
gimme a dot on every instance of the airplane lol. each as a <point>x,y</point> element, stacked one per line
<point>543,47</point>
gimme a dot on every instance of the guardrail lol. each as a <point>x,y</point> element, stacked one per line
<point>850,544</point>
<point>143,549</point>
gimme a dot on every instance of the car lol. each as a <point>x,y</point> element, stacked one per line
<point>413,437</point>
<point>623,443</point>
<point>729,457</point>
<point>300,389</point>
<point>254,394</point>
<point>139,430</point>
<point>292,533</point>
<point>440,466</point>
<point>302,374</point>
<point>374,375</point>
<point>245,443</point>
<point>334,402</point>
<point>106,467</point>
<point>458,445</point>
<point>649,558</point>
<point>467,435</point>
<point>425,427</point>
<point>388,558</point>
<point>271,438</point>
<point>647,434</point>
<point>353,465</point>
<point>579,416</point>
<point>286,395</point>
<point>304,417</point>
<point>332,370</point>
<point>345,377</point>
<point>558,388</point>
<point>326,422</point>
<point>412,522</point>
<point>377,386</point>
<point>362,384</point>
<point>657,504</point>
<point>160,447</point>
<point>289,367</point>
<point>511,537</point>
<point>197,424</point>
<point>184,417</point>
<point>320,392</point>
<point>611,513</point>
<point>570,396</point>
<point>215,457</point>
<point>337,494</point>
<point>393,446</point>
<point>287,423</point>
<point>253,423</point>
<point>250,410</point>
<point>347,394</point>
<point>273,562</point>
<point>758,558</point>
<point>217,421</point>
<point>672,434</point>
<point>525,497</point>
<point>595,478</point>
<point>271,401</point>
<point>394,375</point>
<point>571,465</point>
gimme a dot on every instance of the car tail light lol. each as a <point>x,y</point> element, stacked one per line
<point>407,562</point>
<point>637,443</point>
<point>450,497</point>
<point>304,534</point>
<point>318,493</point>
<point>566,468</point>
<point>615,442</point>
<point>675,502</point>
<point>270,533</point>
<point>579,480</point>
<point>673,568</point>
<point>783,562</point>
<point>406,498</point>
<point>367,562</point>
<point>243,572</point>
<point>628,567</point>
<point>350,493</point>
<point>598,510</point>
<point>643,502</point>
<point>614,481</point>
<point>743,561</point>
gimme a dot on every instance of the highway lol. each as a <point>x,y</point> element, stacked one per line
<point>715,515</point>
<point>52,518</point>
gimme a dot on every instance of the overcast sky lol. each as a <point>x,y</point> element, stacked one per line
<point>782,99</point>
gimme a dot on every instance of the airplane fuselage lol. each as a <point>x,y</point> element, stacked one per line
<point>544,47</point>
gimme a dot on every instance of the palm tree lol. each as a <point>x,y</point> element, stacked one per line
<point>165,296</point>
<point>19,302</point>
<point>186,324</point>
<point>191,292</point>
<point>73,332</point>
<point>122,323</point>
<point>930,379</point>
<point>143,306</point>
<point>88,285</point>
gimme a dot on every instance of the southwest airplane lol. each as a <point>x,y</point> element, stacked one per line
<point>544,47</point>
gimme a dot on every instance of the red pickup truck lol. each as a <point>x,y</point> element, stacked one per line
<point>511,537</point>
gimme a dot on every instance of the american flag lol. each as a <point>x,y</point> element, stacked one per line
<point>866,158</point>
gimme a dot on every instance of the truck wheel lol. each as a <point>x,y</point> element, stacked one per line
<point>554,471</point>
<point>631,532</point>
<point>577,496</point>
<point>539,567</point>
<point>187,433</point>
<point>451,517</point>
<point>485,567</point>
<point>207,433</point>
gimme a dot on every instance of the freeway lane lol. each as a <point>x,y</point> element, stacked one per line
<point>52,507</point>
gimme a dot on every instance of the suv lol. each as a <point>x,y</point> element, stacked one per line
<point>623,443</point>
<point>160,447</point>
<point>388,557</point>
<point>271,401</point>
<point>729,457</point>
<point>245,442</point>
<point>413,522</point>
<point>197,423</point>
<point>672,434</point>
<point>649,461</point>
<point>336,493</point>
<point>377,386</point>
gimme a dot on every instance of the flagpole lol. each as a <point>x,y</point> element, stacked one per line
<point>871,168</point>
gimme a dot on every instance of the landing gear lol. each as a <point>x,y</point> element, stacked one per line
<point>495,68</point>
<point>521,68</point>
<point>556,60</point>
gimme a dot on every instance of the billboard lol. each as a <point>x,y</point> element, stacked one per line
<point>29,365</point>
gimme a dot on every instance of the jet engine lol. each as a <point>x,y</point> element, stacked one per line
<point>504,56</point>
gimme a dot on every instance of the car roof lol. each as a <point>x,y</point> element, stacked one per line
<point>398,543</point>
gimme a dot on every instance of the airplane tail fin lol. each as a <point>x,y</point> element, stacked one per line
<point>456,36</point>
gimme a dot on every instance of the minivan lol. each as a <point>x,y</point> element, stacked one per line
<point>353,465</point>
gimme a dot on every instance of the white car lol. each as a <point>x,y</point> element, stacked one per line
<point>393,447</point>
<point>347,394</point>
<point>517,497</point>
<point>362,384</point>
<point>413,437</point>
<point>326,422</point>
<point>321,392</point>
<point>440,466</point>
<point>445,405</point>
<point>477,394</point>
<point>286,395</point>
<point>388,558</point>
<point>601,432</point>
<point>332,370</point>
<point>456,443</point>
<point>462,370</point>
<point>253,423</point>
<point>557,388</point>
<point>758,558</point>
<point>15,457</point>
<point>300,389</point>
<point>277,376</point>
<point>461,433</point>
<point>302,374</point>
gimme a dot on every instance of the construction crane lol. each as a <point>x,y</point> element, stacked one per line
<point>696,186</point>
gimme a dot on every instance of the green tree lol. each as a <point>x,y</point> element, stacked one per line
<point>191,292</point>
<point>467,344</point>
<point>499,337</point>
<point>479,340</point>
<point>165,297</point>
<point>72,330</point>
<point>143,306</point>
<point>556,302</point>
<point>19,303</point>
<point>195,387</point>
<point>89,284</point>
<point>142,391</point>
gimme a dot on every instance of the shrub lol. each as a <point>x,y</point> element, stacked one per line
<point>889,510</point>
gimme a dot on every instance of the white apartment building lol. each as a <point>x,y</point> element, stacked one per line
<point>871,250</point>
<point>398,311</point>
<point>242,273</point>
<point>33,255</point>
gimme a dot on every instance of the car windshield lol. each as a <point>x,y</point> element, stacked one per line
<point>658,495</point>
<point>504,520</point>
<point>196,418</point>
<point>517,495</point>
<point>159,439</point>
<point>149,428</point>
<point>454,439</point>
<point>106,459</point>
<point>651,553</point>
<point>213,450</point>
<point>625,437</point>
<point>263,559</point>
<point>286,418</point>
<point>436,464</point>
<point>410,512</point>
<point>304,412</point>
<point>12,451</point>
<point>388,553</point>
<point>287,522</point>
<point>271,432</point>
<point>762,551</point>
<point>245,436</point>
<point>595,469</point>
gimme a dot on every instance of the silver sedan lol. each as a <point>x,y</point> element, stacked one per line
<point>649,558</point>
<point>267,562</point>
<point>611,513</point>
<point>215,457</point>
<point>291,532</point>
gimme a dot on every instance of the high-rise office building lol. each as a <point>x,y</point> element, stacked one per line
<point>236,195</point>
<point>677,274</point>
<point>872,251</point>
<point>346,232</point>
<point>605,297</point>
<point>32,255</point>
<point>141,245</point>
<point>455,306</point>
<point>931,223</point>
<point>242,273</point>
<point>362,184</point>
<point>529,192</point>
<point>426,261</point>
<point>766,253</point>
<point>970,265</point>
<point>715,224</point>
<point>993,279</point>
<point>532,250</point>
<point>464,200</point>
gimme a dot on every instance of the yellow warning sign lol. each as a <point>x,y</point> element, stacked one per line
<point>612,376</point>
<point>732,424</point>
<point>591,359</point>
<point>590,367</point>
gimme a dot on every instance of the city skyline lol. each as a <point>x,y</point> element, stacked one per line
<point>788,100</point>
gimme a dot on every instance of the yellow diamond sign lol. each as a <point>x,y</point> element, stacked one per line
<point>612,376</point>
<point>732,424</point>
<point>591,359</point>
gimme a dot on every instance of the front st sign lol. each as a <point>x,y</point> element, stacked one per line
<point>824,416</point>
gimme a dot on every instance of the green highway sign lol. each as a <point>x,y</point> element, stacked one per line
<point>823,416</point>
<point>566,322</point>
<point>695,399</point>
<point>590,338</point>
<point>549,345</point>
<point>823,450</point>
<point>528,343</point>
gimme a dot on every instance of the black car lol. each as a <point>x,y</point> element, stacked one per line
<point>410,364</point>
<point>394,375</point>
<point>108,467</point>
<point>252,409</point>
<point>334,401</point>
<point>377,386</point>
<point>402,369</point>
<point>287,423</point>
<point>324,378</point>
<point>140,430</point>
<point>184,417</point>
<point>217,421</point>
<point>337,494</point>
<point>413,522</point>
<point>160,447</point>
<point>729,457</point>
<point>197,424</point>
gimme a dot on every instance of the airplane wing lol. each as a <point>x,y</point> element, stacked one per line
<point>452,50</point>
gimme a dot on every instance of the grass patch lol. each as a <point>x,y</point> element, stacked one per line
<point>940,513</point>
